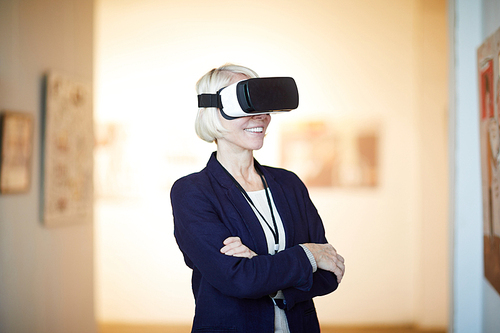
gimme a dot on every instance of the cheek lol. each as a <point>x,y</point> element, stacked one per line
<point>229,125</point>
<point>268,119</point>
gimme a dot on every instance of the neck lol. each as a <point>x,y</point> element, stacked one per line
<point>241,166</point>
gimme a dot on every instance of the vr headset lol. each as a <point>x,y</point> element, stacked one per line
<point>253,96</point>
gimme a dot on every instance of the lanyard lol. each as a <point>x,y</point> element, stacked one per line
<point>274,228</point>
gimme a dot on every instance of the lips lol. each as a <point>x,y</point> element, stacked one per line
<point>255,129</point>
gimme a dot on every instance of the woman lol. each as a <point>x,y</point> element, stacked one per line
<point>250,233</point>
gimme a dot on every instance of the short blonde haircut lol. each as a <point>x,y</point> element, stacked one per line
<point>207,125</point>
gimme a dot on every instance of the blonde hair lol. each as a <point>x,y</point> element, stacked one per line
<point>207,125</point>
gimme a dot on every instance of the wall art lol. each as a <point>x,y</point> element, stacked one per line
<point>16,149</point>
<point>488,55</point>
<point>326,154</point>
<point>67,193</point>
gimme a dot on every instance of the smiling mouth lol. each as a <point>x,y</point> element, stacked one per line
<point>255,129</point>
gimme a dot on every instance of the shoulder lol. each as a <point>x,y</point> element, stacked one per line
<point>194,191</point>
<point>190,183</point>
<point>194,182</point>
<point>279,172</point>
<point>284,177</point>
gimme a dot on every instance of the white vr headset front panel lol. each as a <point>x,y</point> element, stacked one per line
<point>230,104</point>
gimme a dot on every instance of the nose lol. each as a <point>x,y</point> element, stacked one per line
<point>260,116</point>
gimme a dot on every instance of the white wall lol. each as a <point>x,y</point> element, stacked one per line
<point>356,62</point>
<point>46,275</point>
<point>476,304</point>
<point>467,217</point>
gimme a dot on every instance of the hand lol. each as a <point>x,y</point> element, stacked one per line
<point>234,247</point>
<point>328,259</point>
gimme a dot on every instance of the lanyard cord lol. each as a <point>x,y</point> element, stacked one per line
<point>274,229</point>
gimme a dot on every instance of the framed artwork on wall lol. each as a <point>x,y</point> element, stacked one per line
<point>488,57</point>
<point>325,155</point>
<point>68,147</point>
<point>16,149</point>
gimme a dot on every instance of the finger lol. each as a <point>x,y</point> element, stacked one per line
<point>232,243</point>
<point>339,273</point>
<point>239,255</point>
<point>229,248</point>
<point>339,261</point>
<point>235,248</point>
<point>334,265</point>
<point>239,249</point>
<point>341,266</point>
<point>342,272</point>
<point>242,252</point>
<point>328,252</point>
<point>340,258</point>
<point>230,240</point>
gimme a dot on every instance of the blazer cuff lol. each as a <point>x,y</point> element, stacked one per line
<point>310,256</point>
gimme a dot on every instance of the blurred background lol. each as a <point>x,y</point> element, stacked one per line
<point>372,77</point>
<point>385,137</point>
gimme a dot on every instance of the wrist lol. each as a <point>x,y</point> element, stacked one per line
<point>310,256</point>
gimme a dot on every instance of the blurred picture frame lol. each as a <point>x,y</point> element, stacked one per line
<point>332,154</point>
<point>67,151</point>
<point>16,150</point>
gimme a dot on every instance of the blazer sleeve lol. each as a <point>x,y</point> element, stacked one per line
<point>324,282</point>
<point>199,231</point>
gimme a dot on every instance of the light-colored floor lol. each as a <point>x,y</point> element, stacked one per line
<point>127,328</point>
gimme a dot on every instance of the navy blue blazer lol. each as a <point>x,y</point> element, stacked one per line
<point>231,293</point>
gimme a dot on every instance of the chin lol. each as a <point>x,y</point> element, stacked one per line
<point>258,147</point>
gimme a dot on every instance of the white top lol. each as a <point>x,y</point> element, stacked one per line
<point>259,199</point>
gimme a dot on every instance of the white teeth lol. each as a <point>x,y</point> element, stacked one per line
<point>255,129</point>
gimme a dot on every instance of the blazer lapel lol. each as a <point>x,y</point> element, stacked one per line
<point>249,219</point>
<point>281,203</point>
<point>238,201</point>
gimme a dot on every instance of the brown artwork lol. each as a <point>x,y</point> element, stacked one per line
<point>16,150</point>
<point>324,156</point>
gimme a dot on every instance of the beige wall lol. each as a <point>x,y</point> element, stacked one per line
<point>434,229</point>
<point>378,64</point>
<point>46,275</point>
